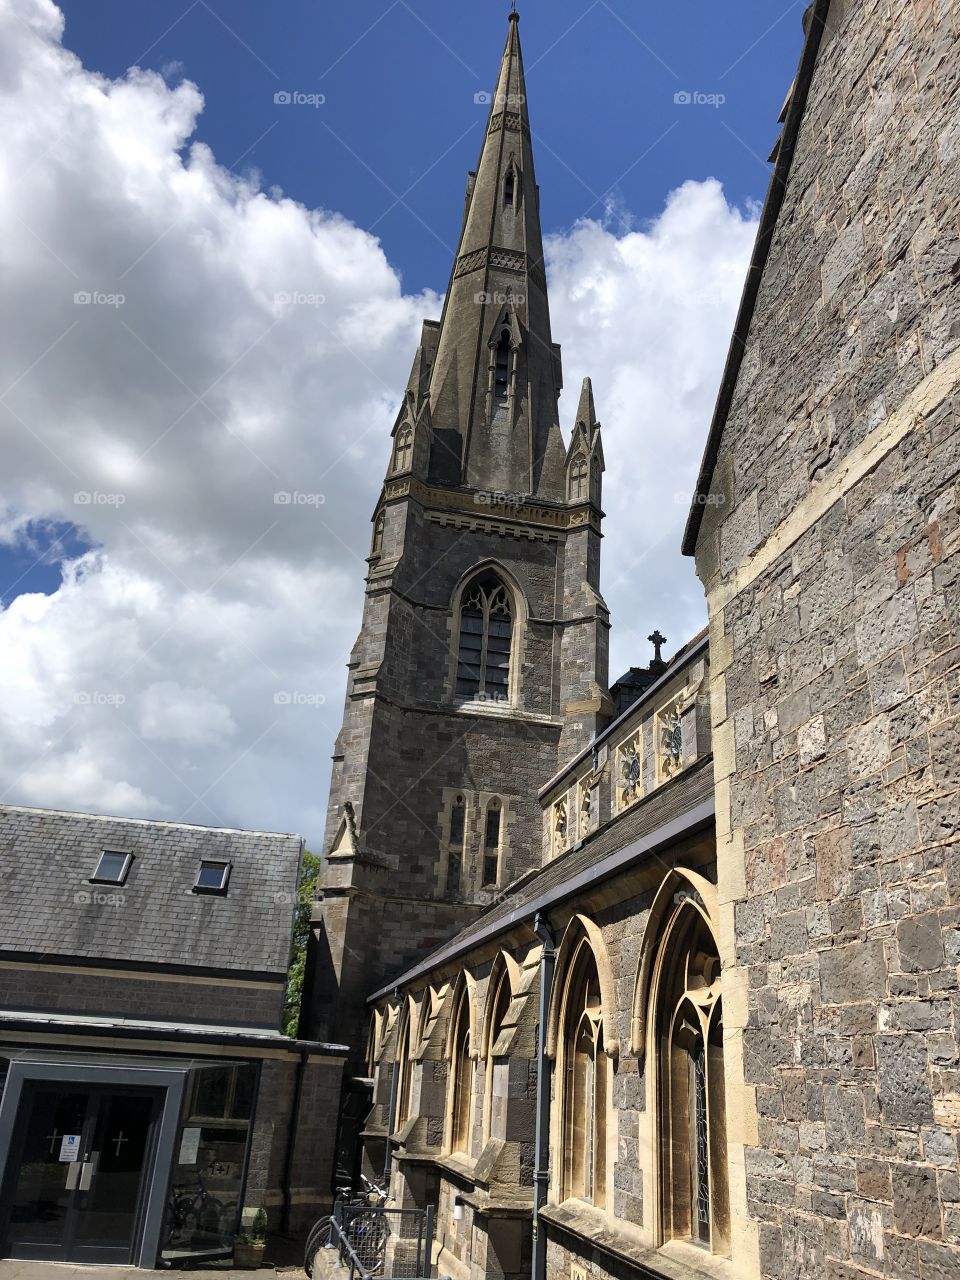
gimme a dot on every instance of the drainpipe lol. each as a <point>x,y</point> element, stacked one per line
<point>541,1174</point>
<point>391,1110</point>
<point>287,1184</point>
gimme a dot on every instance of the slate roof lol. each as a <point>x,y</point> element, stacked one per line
<point>685,793</point>
<point>48,905</point>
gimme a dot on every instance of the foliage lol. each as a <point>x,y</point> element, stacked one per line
<point>301,935</point>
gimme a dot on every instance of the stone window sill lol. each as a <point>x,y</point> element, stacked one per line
<point>677,1260</point>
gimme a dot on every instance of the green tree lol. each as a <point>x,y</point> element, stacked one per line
<point>301,935</point>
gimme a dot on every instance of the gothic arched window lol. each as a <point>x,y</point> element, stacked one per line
<point>403,449</point>
<point>579,478</point>
<point>498,1064</point>
<point>509,187</point>
<point>378,529</point>
<point>491,842</point>
<point>693,1148</point>
<point>455,843</point>
<point>585,1084</point>
<point>485,639</point>
<point>405,1069</point>
<point>461,1108</point>
<point>501,366</point>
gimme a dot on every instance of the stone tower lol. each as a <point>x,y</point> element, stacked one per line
<point>482,658</point>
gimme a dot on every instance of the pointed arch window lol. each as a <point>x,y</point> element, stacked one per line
<point>579,478</point>
<point>403,449</point>
<point>491,842</point>
<point>498,1065</point>
<point>693,1152</point>
<point>405,1069</point>
<point>485,640</point>
<point>510,188</point>
<point>379,525</point>
<point>461,1109</point>
<point>456,835</point>
<point>501,366</point>
<point>585,1079</point>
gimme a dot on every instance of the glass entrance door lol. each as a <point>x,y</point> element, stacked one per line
<point>80,1159</point>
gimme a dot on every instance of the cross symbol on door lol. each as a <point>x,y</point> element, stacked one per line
<point>119,1141</point>
<point>53,1138</point>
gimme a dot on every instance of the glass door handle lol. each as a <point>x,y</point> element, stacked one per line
<point>88,1169</point>
<point>73,1175</point>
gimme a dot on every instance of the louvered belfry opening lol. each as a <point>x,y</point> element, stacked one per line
<point>486,638</point>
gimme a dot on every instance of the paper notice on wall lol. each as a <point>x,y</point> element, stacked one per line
<point>189,1146</point>
<point>70,1147</point>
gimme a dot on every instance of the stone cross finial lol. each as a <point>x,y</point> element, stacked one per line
<point>657,640</point>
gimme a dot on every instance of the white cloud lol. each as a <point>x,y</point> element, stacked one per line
<point>154,680</point>
<point>648,316</point>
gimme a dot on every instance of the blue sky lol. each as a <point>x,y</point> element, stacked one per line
<point>173,644</point>
<point>400,119</point>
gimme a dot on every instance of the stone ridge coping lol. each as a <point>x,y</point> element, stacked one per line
<point>688,823</point>
<point>676,1261</point>
<point>683,658</point>
<point>146,1029</point>
<point>773,205</point>
<point>37,810</point>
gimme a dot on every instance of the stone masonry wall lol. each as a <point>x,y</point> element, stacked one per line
<point>56,990</point>
<point>828,554</point>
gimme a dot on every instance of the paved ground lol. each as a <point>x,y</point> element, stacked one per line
<point>10,1270</point>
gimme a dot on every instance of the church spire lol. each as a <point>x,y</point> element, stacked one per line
<point>496,379</point>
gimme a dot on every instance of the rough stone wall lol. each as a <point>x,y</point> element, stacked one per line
<point>56,990</point>
<point>313,1154</point>
<point>829,557</point>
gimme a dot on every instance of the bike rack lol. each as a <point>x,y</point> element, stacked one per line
<point>413,1236</point>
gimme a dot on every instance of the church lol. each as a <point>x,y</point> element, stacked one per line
<point>660,978</point>
<point>655,978</point>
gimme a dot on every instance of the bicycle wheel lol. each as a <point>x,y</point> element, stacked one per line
<point>318,1239</point>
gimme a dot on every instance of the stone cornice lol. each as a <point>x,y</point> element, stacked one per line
<point>496,511</point>
<point>504,259</point>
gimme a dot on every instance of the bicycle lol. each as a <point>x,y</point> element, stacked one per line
<point>192,1208</point>
<point>366,1230</point>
